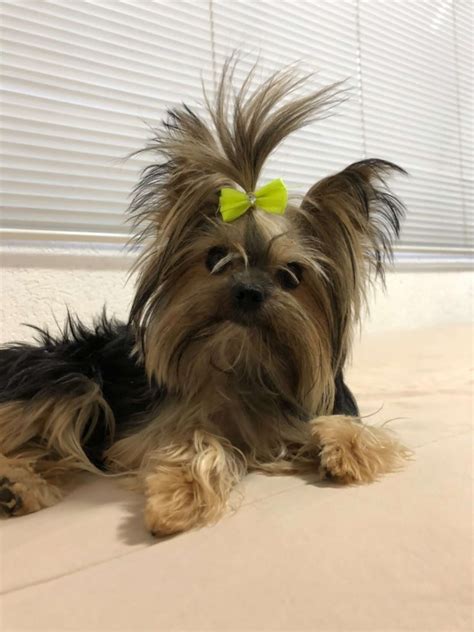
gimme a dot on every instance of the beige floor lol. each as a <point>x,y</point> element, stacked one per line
<point>392,556</point>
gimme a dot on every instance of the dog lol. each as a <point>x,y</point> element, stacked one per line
<point>233,356</point>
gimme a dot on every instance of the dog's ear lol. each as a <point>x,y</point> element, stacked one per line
<point>354,218</point>
<point>351,219</point>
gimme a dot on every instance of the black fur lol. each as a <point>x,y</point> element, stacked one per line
<point>344,401</point>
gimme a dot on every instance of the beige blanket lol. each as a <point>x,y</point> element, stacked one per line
<point>394,555</point>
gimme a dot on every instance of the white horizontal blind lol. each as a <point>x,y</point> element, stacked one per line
<point>413,71</point>
<point>322,34</point>
<point>80,78</point>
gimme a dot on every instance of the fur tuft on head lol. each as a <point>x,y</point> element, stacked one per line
<point>228,147</point>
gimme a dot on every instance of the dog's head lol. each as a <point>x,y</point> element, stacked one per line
<point>266,302</point>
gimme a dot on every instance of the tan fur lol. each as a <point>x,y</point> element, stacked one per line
<point>190,482</point>
<point>55,425</point>
<point>352,452</point>
<point>43,438</point>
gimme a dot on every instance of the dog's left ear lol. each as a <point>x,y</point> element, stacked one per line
<point>350,220</point>
<point>354,218</point>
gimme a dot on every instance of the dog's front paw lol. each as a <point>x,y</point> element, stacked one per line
<point>23,491</point>
<point>170,506</point>
<point>175,503</point>
<point>10,501</point>
<point>352,452</point>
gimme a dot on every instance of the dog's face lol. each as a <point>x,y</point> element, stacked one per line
<point>246,300</point>
<point>263,305</point>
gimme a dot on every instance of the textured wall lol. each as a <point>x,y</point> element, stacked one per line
<point>37,287</point>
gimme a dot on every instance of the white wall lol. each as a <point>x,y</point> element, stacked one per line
<point>36,285</point>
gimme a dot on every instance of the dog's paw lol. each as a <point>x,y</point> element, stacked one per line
<point>10,501</point>
<point>23,491</point>
<point>168,512</point>
<point>175,503</point>
<point>352,452</point>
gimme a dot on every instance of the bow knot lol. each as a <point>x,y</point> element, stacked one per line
<point>272,198</point>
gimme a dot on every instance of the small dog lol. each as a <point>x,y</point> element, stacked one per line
<point>233,356</point>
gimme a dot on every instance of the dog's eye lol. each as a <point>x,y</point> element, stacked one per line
<point>214,256</point>
<point>290,276</point>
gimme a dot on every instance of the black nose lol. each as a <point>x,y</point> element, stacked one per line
<point>247,296</point>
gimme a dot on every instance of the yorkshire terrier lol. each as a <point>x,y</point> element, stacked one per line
<point>232,358</point>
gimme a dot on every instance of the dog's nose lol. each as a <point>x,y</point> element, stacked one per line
<point>247,296</point>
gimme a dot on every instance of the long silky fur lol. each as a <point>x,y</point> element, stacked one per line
<point>341,234</point>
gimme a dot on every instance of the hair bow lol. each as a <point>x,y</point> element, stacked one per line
<point>272,198</point>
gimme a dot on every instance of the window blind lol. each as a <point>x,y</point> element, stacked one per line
<point>412,81</point>
<point>81,81</point>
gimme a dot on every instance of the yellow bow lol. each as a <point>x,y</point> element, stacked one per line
<point>271,198</point>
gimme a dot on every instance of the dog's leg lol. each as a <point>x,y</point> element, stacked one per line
<point>352,452</point>
<point>188,484</point>
<point>23,489</point>
<point>41,444</point>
